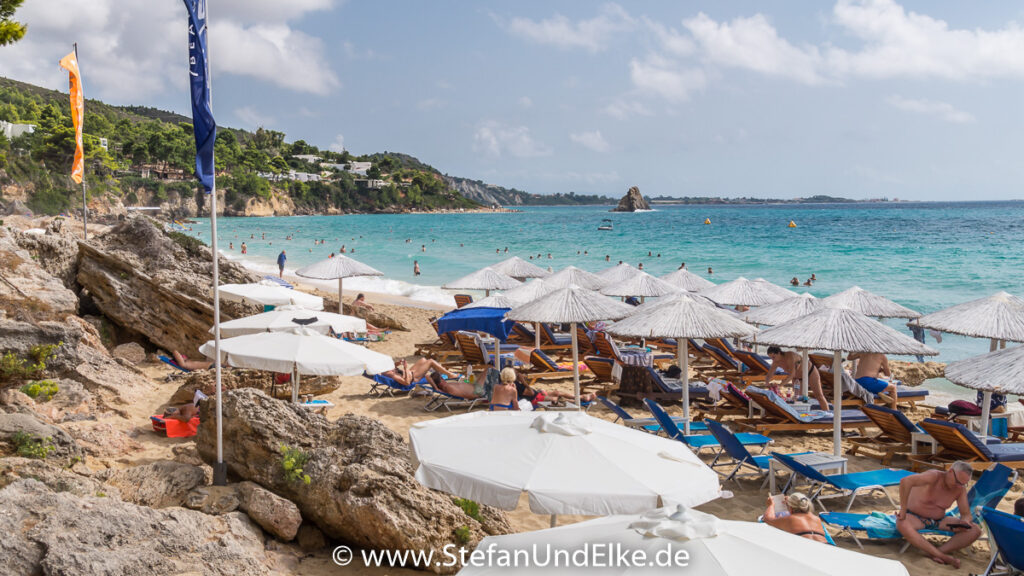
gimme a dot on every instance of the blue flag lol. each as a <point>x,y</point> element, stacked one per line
<point>203,124</point>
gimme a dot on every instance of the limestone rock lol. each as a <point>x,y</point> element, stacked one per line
<point>216,500</point>
<point>362,488</point>
<point>48,532</point>
<point>310,538</point>
<point>56,251</point>
<point>57,478</point>
<point>71,402</point>
<point>275,514</point>
<point>27,291</point>
<point>158,484</point>
<point>101,439</point>
<point>64,446</point>
<point>132,352</point>
<point>235,378</point>
<point>632,202</point>
<point>915,373</point>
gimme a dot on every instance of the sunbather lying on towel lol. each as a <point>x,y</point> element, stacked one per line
<point>790,364</point>
<point>183,361</point>
<point>406,375</point>
<point>185,412</point>
<point>798,518</point>
<point>455,387</point>
<point>924,499</point>
<point>536,395</point>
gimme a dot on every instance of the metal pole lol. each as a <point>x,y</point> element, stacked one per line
<point>806,370</point>
<point>837,403</point>
<point>341,309</point>
<point>986,405</point>
<point>536,335</point>
<point>85,203</point>
<point>295,384</point>
<point>220,468</point>
<point>683,359</point>
<point>575,366</point>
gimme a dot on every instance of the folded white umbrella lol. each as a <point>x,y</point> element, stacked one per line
<point>567,462</point>
<point>291,318</point>
<point>713,547</point>
<point>298,353</point>
<point>269,294</point>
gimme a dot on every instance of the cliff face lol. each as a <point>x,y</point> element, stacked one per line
<point>486,194</point>
<point>632,202</point>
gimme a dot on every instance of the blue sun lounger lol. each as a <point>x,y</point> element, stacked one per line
<point>698,441</point>
<point>989,490</point>
<point>739,455</point>
<point>1007,535</point>
<point>170,362</point>
<point>851,484</point>
<point>645,424</point>
<point>382,385</point>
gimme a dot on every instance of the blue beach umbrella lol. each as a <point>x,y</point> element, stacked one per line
<point>489,320</point>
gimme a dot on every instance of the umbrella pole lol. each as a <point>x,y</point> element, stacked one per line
<point>487,293</point>
<point>341,309</point>
<point>683,360</point>
<point>497,353</point>
<point>986,405</point>
<point>993,345</point>
<point>554,520</point>
<point>575,366</point>
<point>536,335</point>
<point>837,403</point>
<point>295,384</point>
<point>806,370</point>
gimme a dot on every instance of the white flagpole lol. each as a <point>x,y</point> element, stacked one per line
<point>85,202</point>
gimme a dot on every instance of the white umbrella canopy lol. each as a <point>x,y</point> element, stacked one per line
<point>868,304</point>
<point>714,547</point>
<point>683,316</point>
<point>529,291</point>
<point>495,301</point>
<point>291,318</point>
<point>997,317</point>
<point>651,304</point>
<point>687,280</point>
<point>571,275</point>
<point>518,268</point>
<point>744,292</point>
<point>618,273</point>
<point>297,353</point>
<point>776,289</point>
<point>640,284</point>
<point>337,268</point>
<point>568,463</point>
<point>269,294</point>
<point>485,279</point>
<point>784,311</point>
<point>999,372</point>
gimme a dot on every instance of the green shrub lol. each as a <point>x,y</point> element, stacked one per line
<point>13,367</point>
<point>43,389</point>
<point>292,462</point>
<point>471,508</point>
<point>29,446</point>
<point>463,535</point>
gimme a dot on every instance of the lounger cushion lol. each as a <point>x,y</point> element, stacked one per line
<point>855,480</point>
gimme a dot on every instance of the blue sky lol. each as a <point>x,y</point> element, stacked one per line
<point>915,100</point>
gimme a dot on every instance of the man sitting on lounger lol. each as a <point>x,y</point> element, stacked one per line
<point>873,374</point>
<point>924,499</point>
<point>790,364</point>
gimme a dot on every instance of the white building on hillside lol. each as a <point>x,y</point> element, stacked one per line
<point>11,130</point>
<point>308,158</point>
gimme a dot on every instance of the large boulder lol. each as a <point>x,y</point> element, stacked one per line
<point>361,491</point>
<point>27,423</point>
<point>27,291</point>
<point>48,532</point>
<point>632,201</point>
<point>158,484</point>
<point>276,515</point>
<point>57,478</point>
<point>915,373</point>
<point>56,251</point>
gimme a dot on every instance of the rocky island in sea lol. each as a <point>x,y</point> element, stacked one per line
<point>632,201</point>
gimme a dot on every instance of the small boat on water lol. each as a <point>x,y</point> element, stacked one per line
<point>606,224</point>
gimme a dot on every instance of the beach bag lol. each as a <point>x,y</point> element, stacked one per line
<point>964,408</point>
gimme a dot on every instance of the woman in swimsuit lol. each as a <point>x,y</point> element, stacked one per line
<point>536,396</point>
<point>800,520</point>
<point>505,396</point>
<point>405,375</point>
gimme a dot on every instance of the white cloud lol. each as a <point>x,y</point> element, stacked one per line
<point>430,104</point>
<point>594,34</point>
<point>353,53</point>
<point>525,102</point>
<point>625,107</point>
<point>496,139</point>
<point>252,11</point>
<point>941,110</point>
<point>591,140</point>
<point>273,53</point>
<point>252,118</point>
<point>338,145</point>
<point>656,75</point>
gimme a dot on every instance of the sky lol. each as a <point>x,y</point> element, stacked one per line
<point>858,98</point>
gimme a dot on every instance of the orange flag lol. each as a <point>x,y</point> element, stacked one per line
<point>70,63</point>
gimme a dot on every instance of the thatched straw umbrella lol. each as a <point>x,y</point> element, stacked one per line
<point>776,289</point>
<point>782,312</point>
<point>495,301</point>
<point>527,293</point>
<point>683,316</point>
<point>687,280</point>
<point>573,276</point>
<point>485,279</point>
<point>571,305</point>
<point>868,304</point>
<point>338,267</point>
<point>618,273</point>
<point>743,292</point>
<point>1000,372</point>
<point>640,284</point>
<point>841,330</point>
<point>519,269</point>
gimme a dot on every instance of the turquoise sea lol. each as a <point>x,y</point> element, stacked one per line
<point>926,256</point>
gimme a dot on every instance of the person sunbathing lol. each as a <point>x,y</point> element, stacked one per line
<point>406,375</point>
<point>183,361</point>
<point>874,375</point>
<point>456,387</point>
<point>536,395</point>
<point>185,412</point>
<point>505,395</point>
<point>790,364</point>
<point>924,499</point>
<point>798,518</point>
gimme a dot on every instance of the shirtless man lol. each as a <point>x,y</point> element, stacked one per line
<point>405,375</point>
<point>924,499</point>
<point>873,374</point>
<point>790,364</point>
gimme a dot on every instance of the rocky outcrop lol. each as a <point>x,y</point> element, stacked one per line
<point>157,484</point>
<point>276,205</point>
<point>62,446</point>
<point>915,373</point>
<point>27,291</point>
<point>361,491</point>
<point>55,477</point>
<point>216,500</point>
<point>483,193</point>
<point>274,514</point>
<point>47,532</point>
<point>632,202</point>
<point>235,378</point>
<point>375,317</point>
<point>140,278</point>
<point>130,352</point>
<point>56,251</point>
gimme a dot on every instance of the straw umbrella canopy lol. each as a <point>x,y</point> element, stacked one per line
<point>528,292</point>
<point>996,317</point>
<point>744,292</point>
<point>571,275</point>
<point>289,319</point>
<point>571,305</point>
<point>687,280</point>
<point>841,330</point>
<point>338,267</point>
<point>999,372</point>
<point>495,301</point>
<point>269,294</point>
<point>683,316</point>
<point>640,284</point>
<point>485,279</point>
<point>618,273</point>
<point>782,312</point>
<point>868,304</point>
<point>519,269</point>
<point>776,289</point>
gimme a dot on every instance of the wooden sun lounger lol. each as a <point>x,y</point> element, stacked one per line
<point>895,437</point>
<point>778,419</point>
<point>959,443</point>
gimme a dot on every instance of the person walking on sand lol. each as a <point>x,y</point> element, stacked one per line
<point>924,499</point>
<point>281,258</point>
<point>415,267</point>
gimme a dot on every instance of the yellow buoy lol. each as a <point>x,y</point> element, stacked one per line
<point>707,220</point>
<point>792,224</point>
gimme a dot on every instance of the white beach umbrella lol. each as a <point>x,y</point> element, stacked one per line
<point>291,318</point>
<point>996,317</point>
<point>618,273</point>
<point>744,292</point>
<point>570,305</point>
<point>683,316</point>
<point>712,547</point>
<point>776,289</point>
<point>573,276</point>
<point>485,279</point>
<point>1000,372</point>
<point>269,294</point>
<point>687,280</point>
<point>782,312</point>
<point>519,269</point>
<point>640,284</point>
<point>868,304</point>
<point>337,268</point>
<point>297,353</point>
<point>567,463</point>
<point>526,293</point>
<point>841,330</point>
<point>495,301</point>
